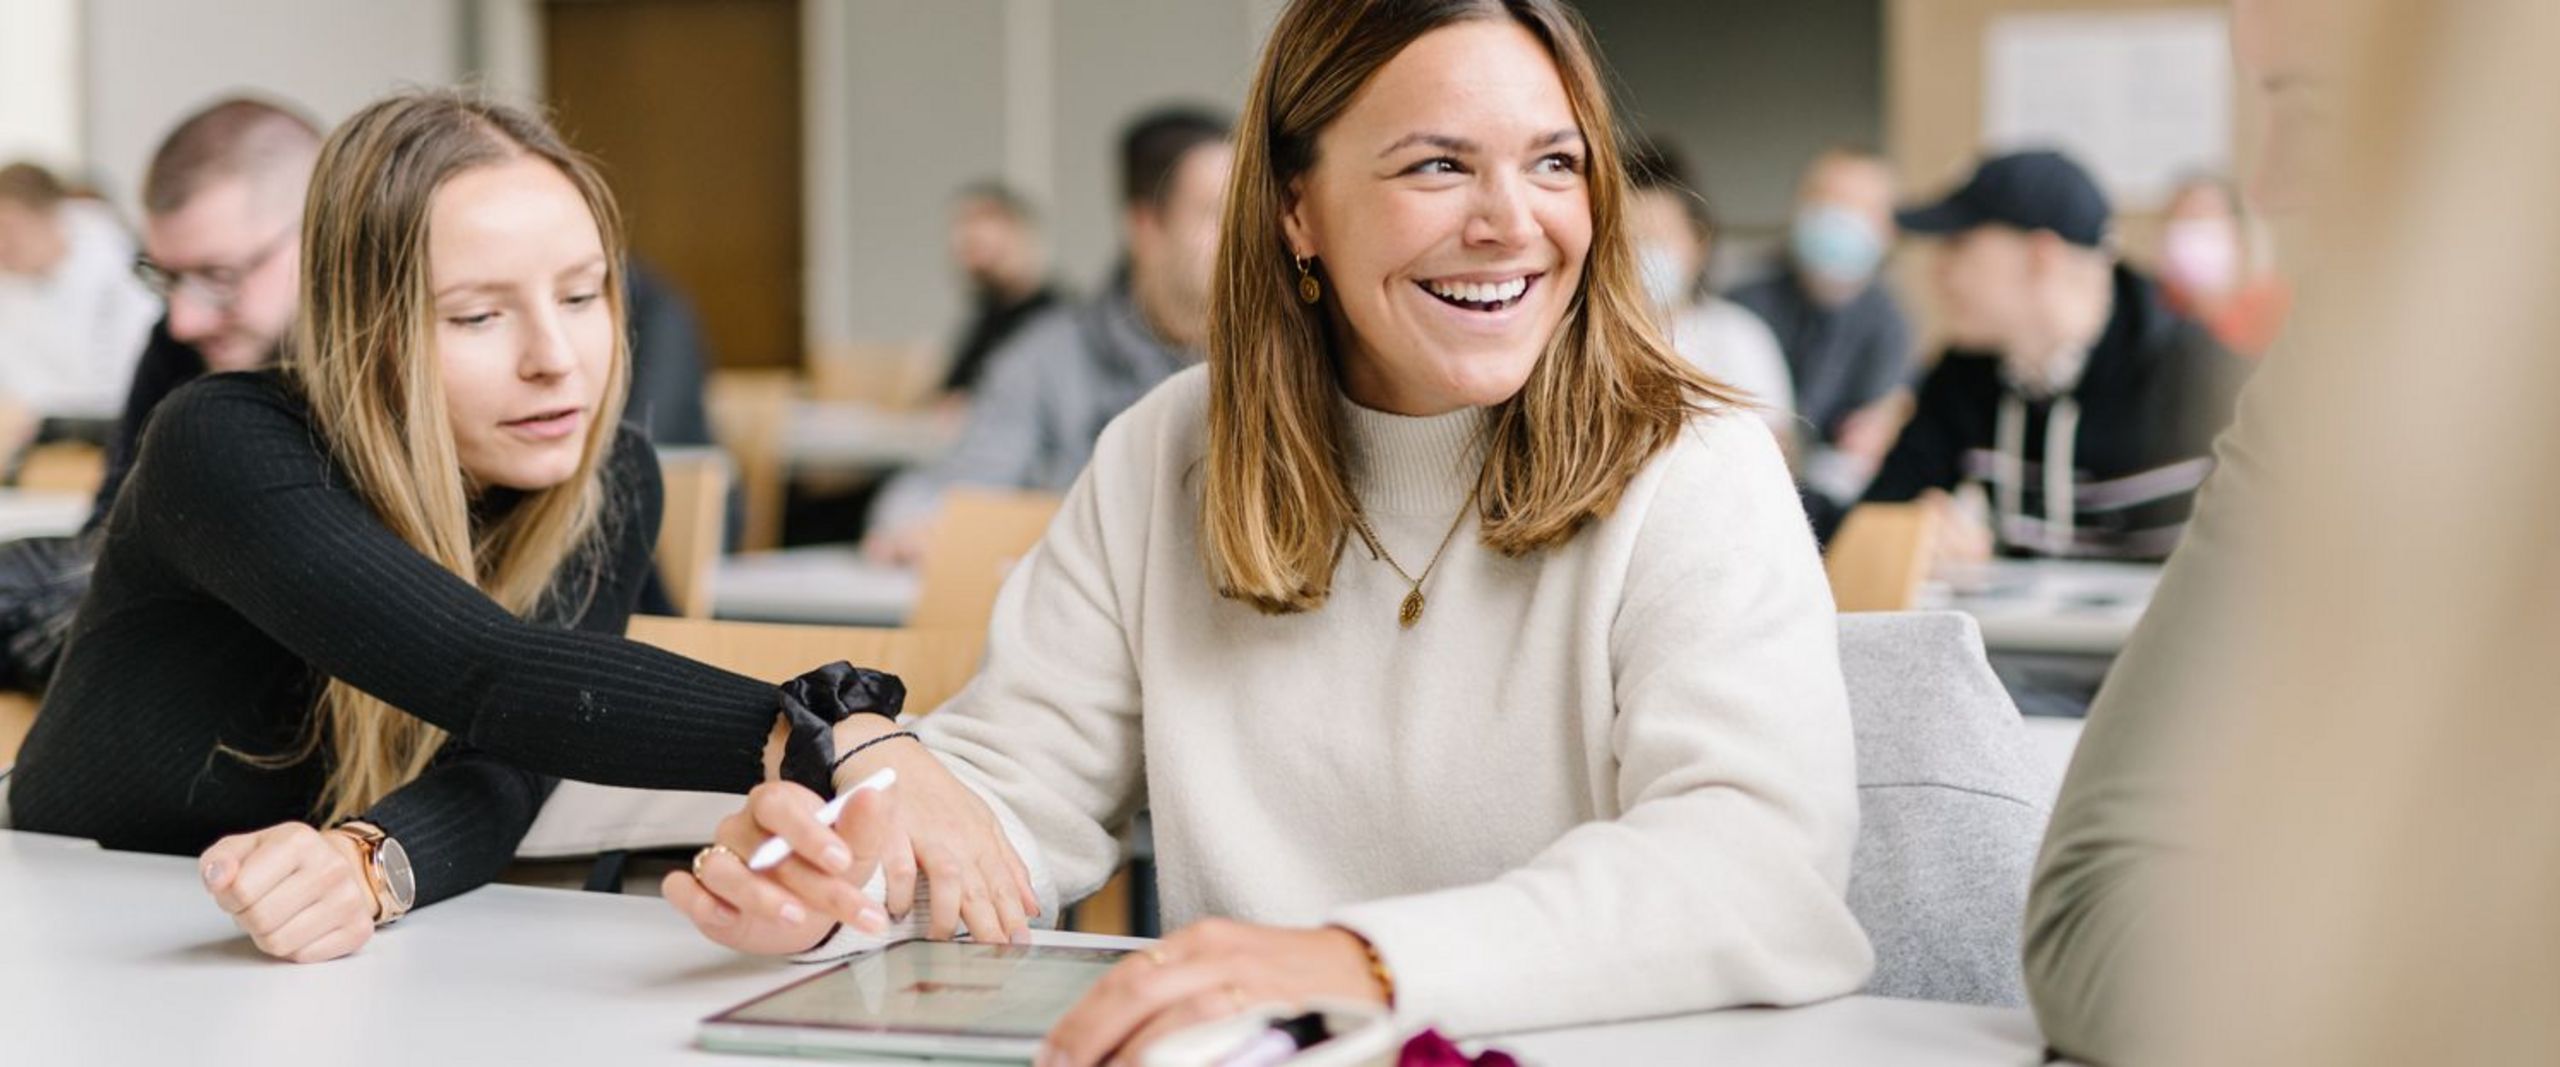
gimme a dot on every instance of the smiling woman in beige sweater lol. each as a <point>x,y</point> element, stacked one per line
<point>1470,649</point>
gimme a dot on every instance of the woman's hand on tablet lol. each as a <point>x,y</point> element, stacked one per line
<point>791,906</point>
<point>299,893</point>
<point>1207,971</point>
<point>952,839</point>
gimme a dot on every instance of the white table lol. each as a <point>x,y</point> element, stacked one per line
<point>823,585</point>
<point>843,435</point>
<point>2073,607</point>
<point>25,514</point>
<point>120,958</point>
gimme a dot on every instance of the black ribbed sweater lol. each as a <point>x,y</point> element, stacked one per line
<point>239,569</point>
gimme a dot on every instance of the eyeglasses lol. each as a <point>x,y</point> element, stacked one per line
<point>218,285</point>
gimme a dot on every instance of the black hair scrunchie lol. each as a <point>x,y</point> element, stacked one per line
<point>814,702</point>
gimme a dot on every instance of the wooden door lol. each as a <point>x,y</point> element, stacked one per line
<point>693,109</point>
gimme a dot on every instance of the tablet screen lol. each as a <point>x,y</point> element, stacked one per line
<point>942,988</point>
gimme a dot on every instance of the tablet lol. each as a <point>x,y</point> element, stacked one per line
<point>952,999</point>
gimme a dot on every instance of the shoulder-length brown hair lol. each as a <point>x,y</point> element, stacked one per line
<point>363,356</point>
<point>1608,394</point>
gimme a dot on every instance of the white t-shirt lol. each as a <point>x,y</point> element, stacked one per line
<point>1733,346</point>
<point>69,339</point>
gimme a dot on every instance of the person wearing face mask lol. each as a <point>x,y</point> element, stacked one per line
<point>1674,243</point>
<point>72,315</point>
<point>2213,268</point>
<point>2071,393</point>
<point>1046,394</point>
<point>1847,343</point>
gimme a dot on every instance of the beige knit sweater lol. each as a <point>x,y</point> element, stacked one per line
<point>1611,779</point>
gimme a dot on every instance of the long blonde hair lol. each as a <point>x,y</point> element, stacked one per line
<point>1608,393</point>
<point>362,355</point>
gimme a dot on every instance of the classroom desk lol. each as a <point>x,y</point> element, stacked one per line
<point>847,435</point>
<point>2065,607</point>
<point>826,585</point>
<point>120,958</point>
<point>25,514</point>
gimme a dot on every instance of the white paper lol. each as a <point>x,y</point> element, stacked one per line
<point>2141,98</point>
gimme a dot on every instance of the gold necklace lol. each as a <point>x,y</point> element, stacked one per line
<point>1410,611</point>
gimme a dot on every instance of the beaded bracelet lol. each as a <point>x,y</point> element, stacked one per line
<point>1378,971</point>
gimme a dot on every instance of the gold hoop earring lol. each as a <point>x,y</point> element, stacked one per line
<point>1309,289</point>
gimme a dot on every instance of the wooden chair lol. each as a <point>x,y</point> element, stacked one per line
<point>1880,557</point>
<point>750,413</point>
<point>17,716</point>
<point>689,533</point>
<point>935,664</point>
<point>583,819</point>
<point>63,467</point>
<point>976,540</point>
<point>893,375</point>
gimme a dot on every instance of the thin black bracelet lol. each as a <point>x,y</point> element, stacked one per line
<point>831,933</point>
<point>857,749</point>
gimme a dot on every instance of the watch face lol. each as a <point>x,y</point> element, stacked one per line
<point>397,878</point>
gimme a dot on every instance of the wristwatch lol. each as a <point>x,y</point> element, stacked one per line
<point>386,869</point>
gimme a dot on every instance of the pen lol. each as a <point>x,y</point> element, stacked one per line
<point>775,850</point>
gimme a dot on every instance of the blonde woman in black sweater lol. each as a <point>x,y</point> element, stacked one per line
<point>353,615</point>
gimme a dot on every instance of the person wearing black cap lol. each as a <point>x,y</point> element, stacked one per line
<point>2070,392</point>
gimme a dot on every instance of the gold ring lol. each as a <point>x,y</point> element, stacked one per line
<point>704,856</point>
<point>1155,956</point>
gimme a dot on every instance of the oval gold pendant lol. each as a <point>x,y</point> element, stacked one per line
<point>1412,610</point>
<point>1309,289</point>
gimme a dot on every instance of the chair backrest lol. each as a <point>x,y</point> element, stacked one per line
<point>1950,812</point>
<point>583,819</point>
<point>17,716</point>
<point>750,413</point>
<point>888,374</point>
<point>697,500</point>
<point>934,664</point>
<point>977,538</point>
<point>63,467</point>
<point>1880,556</point>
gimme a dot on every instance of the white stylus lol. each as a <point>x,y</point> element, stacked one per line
<point>775,850</point>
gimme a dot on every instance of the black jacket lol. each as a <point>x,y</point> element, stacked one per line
<point>2155,391</point>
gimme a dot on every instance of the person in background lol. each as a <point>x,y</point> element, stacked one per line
<point>2070,392</point>
<point>995,238</point>
<point>221,233</point>
<point>72,315</point>
<point>1848,345</point>
<point>1675,240</point>
<point>667,359</point>
<point>2216,267</point>
<point>222,217</point>
<point>1048,393</point>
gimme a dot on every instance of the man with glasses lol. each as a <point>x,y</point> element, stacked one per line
<point>221,236</point>
<point>221,242</point>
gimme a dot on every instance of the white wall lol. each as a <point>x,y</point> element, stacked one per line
<point>944,92</point>
<point>1749,90</point>
<point>39,82</point>
<point>150,62</point>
